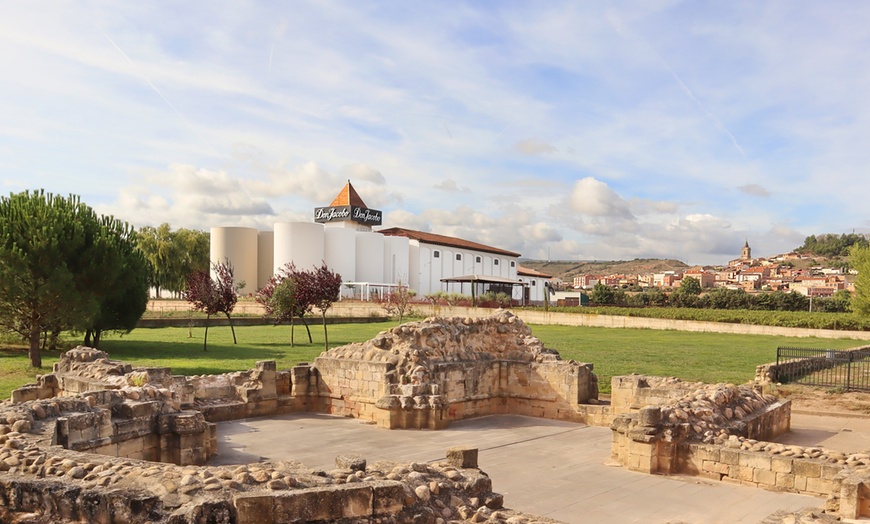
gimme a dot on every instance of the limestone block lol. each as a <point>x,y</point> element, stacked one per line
<point>819,485</point>
<point>388,497</point>
<point>352,462</point>
<point>781,464</point>
<point>729,456</point>
<point>254,509</point>
<point>332,503</point>
<point>765,477</point>
<point>755,460</point>
<point>807,468</point>
<point>462,457</point>
<point>785,480</point>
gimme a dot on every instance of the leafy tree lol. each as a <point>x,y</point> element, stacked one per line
<point>832,245</point>
<point>173,255</point>
<point>690,286</point>
<point>213,295</point>
<point>602,294</point>
<point>61,265</point>
<point>292,304</point>
<point>859,258</point>
<point>125,301</point>
<point>327,289</point>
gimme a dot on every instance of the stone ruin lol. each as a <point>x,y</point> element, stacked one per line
<point>426,374</point>
<point>721,432</point>
<point>100,441</point>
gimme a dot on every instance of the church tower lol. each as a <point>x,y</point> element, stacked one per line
<point>746,252</point>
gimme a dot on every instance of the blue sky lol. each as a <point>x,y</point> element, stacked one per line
<point>574,130</point>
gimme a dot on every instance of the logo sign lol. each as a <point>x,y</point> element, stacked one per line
<point>331,214</point>
<point>369,217</point>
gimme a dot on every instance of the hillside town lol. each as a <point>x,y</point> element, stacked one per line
<point>789,272</point>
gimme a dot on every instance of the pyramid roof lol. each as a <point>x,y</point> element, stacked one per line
<point>348,197</point>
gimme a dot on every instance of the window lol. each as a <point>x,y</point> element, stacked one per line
<point>513,263</point>
<point>495,262</point>
<point>436,254</point>
<point>477,259</point>
<point>534,282</point>
<point>458,256</point>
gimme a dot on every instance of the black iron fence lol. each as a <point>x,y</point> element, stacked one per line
<point>849,370</point>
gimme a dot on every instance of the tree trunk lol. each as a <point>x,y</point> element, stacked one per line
<point>325,335</point>
<point>308,329</point>
<point>53,338</point>
<point>230,320</point>
<point>35,356</point>
<point>292,330</point>
<point>205,338</point>
<point>98,335</point>
<point>87,341</point>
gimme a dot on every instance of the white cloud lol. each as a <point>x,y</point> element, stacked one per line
<point>594,198</point>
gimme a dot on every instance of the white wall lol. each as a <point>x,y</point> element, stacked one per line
<point>369,257</point>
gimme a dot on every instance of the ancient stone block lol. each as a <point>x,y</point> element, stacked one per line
<point>462,457</point>
<point>254,509</point>
<point>807,468</point>
<point>352,462</point>
<point>387,497</point>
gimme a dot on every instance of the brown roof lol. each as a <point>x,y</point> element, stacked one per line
<point>528,272</point>
<point>442,240</point>
<point>348,197</point>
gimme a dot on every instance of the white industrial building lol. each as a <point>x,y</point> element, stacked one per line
<point>372,261</point>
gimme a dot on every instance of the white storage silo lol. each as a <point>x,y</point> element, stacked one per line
<point>238,245</point>
<point>369,257</point>
<point>265,257</point>
<point>300,243</point>
<point>339,249</point>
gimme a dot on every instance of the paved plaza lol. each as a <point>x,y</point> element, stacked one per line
<point>549,468</point>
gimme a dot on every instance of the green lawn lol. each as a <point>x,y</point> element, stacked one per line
<point>709,357</point>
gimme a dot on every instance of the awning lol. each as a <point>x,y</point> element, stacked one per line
<point>483,279</point>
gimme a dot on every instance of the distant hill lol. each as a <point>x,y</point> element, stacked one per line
<point>567,270</point>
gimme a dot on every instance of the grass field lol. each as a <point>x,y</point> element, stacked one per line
<point>708,357</point>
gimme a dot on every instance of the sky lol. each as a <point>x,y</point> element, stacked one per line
<point>562,130</point>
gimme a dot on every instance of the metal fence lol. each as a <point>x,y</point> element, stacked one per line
<point>849,370</point>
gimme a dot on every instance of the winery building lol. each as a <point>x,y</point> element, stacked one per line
<point>373,261</point>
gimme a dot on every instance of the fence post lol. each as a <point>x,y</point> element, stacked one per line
<point>849,372</point>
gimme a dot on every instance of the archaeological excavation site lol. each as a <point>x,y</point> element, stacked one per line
<point>100,441</point>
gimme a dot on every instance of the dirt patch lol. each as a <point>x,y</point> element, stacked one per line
<point>824,400</point>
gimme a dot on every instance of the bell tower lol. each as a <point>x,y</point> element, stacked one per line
<point>746,252</point>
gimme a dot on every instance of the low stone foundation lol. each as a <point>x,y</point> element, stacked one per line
<point>718,432</point>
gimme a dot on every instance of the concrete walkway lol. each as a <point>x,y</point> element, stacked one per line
<point>544,467</point>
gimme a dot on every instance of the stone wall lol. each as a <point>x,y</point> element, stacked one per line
<point>720,432</point>
<point>426,374</point>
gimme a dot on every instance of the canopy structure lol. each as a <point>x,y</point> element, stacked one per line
<point>474,280</point>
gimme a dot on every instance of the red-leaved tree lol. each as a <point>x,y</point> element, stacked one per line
<point>213,295</point>
<point>327,289</point>
<point>288,296</point>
